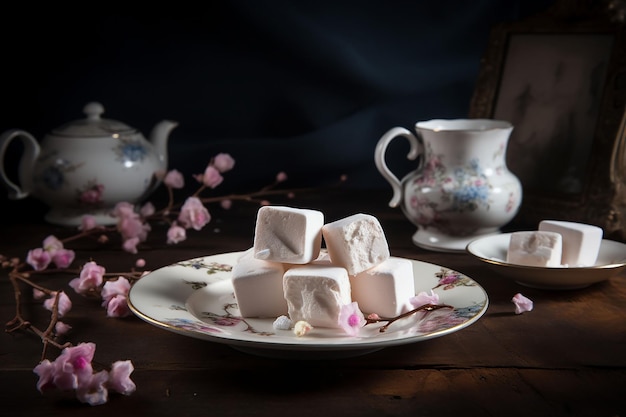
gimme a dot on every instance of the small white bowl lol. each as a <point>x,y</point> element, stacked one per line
<point>492,250</point>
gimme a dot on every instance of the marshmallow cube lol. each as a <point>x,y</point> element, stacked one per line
<point>581,242</point>
<point>385,289</point>
<point>258,287</point>
<point>288,235</point>
<point>356,242</point>
<point>535,248</point>
<point>316,292</point>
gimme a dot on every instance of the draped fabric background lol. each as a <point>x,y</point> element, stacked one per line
<point>303,87</point>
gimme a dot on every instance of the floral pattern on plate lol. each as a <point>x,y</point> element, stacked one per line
<point>195,298</point>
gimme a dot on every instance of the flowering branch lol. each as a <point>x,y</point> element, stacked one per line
<point>72,370</point>
<point>426,307</point>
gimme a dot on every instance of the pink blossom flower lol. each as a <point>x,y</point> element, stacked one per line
<point>87,222</point>
<point>193,214</point>
<point>117,306</point>
<point>130,245</point>
<point>176,234</point>
<point>123,209</point>
<point>223,162</point>
<point>52,244</point>
<point>72,370</point>
<point>174,179</point>
<point>424,298</point>
<point>140,263</point>
<point>63,258</point>
<point>46,371</point>
<point>90,278</point>
<point>52,251</point>
<point>212,177</point>
<point>147,210</point>
<point>281,177</point>
<point>74,367</point>
<point>64,306</point>
<point>38,294</point>
<point>110,289</point>
<point>132,226</point>
<point>93,391</point>
<point>38,258</point>
<point>522,304</point>
<point>61,328</point>
<point>119,377</point>
<point>351,318</point>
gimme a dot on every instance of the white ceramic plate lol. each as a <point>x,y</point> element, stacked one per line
<point>493,249</point>
<point>195,298</point>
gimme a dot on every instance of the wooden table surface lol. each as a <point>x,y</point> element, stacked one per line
<point>567,357</point>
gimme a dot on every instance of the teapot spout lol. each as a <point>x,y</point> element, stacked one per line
<point>159,137</point>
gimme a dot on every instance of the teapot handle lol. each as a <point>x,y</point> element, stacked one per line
<point>26,164</point>
<point>379,157</point>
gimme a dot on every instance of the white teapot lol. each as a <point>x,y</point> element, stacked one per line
<point>87,166</point>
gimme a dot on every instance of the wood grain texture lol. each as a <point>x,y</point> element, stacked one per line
<point>564,358</point>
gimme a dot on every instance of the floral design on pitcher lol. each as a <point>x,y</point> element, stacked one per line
<point>469,188</point>
<point>130,151</point>
<point>466,189</point>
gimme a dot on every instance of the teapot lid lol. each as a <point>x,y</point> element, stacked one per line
<point>93,125</point>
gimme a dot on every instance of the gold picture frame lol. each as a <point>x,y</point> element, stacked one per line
<point>560,78</point>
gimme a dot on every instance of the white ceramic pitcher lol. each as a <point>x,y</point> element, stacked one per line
<point>462,188</point>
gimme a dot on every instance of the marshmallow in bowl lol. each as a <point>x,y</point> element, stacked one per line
<point>356,242</point>
<point>386,288</point>
<point>316,292</point>
<point>535,248</point>
<point>258,286</point>
<point>581,242</point>
<point>288,234</point>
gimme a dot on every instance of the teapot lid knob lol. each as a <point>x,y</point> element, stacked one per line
<point>93,110</point>
<point>93,126</point>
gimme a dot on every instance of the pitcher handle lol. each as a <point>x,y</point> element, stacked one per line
<point>379,158</point>
<point>26,164</point>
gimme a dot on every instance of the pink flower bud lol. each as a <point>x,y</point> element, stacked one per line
<point>223,162</point>
<point>212,177</point>
<point>281,177</point>
<point>38,258</point>
<point>87,222</point>
<point>174,179</point>
<point>176,234</point>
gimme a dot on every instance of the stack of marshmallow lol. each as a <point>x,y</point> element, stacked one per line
<point>556,244</point>
<point>286,273</point>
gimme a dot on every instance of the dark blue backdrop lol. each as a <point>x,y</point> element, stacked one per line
<point>304,87</point>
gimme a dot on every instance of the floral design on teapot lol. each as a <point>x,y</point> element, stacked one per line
<point>130,151</point>
<point>53,176</point>
<point>115,163</point>
<point>91,194</point>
